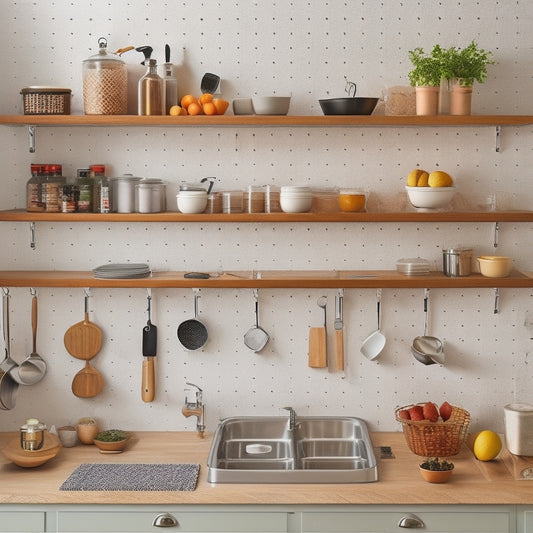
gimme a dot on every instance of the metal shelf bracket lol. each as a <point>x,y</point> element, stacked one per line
<point>31,138</point>
<point>497,138</point>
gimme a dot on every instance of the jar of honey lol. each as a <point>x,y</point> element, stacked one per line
<point>352,200</point>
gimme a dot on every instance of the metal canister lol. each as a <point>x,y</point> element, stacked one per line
<point>105,83</point>
<point>32,435</point>
<point>457,262</point>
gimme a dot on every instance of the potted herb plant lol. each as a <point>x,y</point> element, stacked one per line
<point>435,470</point>
<point>426,77</point>
<point>462,67</point>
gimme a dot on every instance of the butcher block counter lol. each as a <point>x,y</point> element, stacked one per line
<point>473,482</point>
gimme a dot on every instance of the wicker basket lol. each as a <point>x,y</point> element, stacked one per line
<point>45,101</point>
<point>435,439</point>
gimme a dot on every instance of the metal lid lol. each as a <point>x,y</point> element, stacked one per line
<point>456,250</point>
<point>103,56</point>
<point>32,425</point>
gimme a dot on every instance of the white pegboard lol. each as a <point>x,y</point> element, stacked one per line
<point>304,49</point>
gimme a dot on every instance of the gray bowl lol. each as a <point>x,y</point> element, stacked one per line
<point>358,105</point>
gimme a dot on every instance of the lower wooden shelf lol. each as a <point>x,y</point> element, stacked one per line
<point>276,279</point>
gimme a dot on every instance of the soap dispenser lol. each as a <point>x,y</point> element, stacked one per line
<point>169,82</point>
<point>151,88</point>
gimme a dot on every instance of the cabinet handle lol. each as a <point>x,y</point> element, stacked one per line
<point>410,521</point>
<point>165,520</point>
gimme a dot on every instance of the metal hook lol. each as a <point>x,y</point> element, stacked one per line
<point>497,138</point>
<point>496,300</point>
<point>5,290</point>
<point>32,235</point>
<point>33,291</point>
<point>31,138</point>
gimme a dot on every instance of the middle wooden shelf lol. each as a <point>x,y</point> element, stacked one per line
<point>20,215</point>
<point>273,279</point>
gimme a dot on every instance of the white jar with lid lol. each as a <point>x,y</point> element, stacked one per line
<point>124,193</point>
<point>150,196</point>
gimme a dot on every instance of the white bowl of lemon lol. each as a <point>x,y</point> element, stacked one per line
<point>430,190</point>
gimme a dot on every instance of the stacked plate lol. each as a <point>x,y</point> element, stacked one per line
<point>413,267</point>
<point>122,271</point>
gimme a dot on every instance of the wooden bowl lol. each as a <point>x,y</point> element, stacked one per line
<point>30,458</point>
<point>436,476</point>
<point>111,447</point>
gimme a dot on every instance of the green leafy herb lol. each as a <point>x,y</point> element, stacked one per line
<point>111,435</point>
<point>427,69</point>
<point>468,64</point>
<point>436,464</point>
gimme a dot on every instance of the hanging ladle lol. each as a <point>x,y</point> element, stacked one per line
<point>373,345</point>
<point>427,349</point>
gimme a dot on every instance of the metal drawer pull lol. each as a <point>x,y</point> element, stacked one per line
<point>165,520</point>
<point>410,521</point>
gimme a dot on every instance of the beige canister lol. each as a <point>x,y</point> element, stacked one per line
<point>105,83</point>
<point>518,419</point>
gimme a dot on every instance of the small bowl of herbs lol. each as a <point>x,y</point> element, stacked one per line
<point>111,440</point>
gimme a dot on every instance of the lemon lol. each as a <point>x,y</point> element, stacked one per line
<point>175,110</point>
<point>487,445</point>
<point>423,180</point>
<point>438,178</point>
<point>414,177</point>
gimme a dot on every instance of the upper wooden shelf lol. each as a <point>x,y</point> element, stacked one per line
<point>276,279</point>
<point>266,120</point>
<point>19,215</point>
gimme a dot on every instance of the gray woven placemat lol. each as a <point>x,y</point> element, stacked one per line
<point>133,477</point>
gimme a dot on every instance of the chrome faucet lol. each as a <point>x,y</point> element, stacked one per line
<point>292,418</point>
<point>197,409</point>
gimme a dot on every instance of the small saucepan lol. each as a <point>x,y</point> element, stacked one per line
<point>192,333</point>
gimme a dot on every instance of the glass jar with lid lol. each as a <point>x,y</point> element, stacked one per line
<point>32,435</point>
<point>105,83</point>
<point>52,188</point>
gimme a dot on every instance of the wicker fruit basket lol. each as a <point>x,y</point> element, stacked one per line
<point>435,439</point>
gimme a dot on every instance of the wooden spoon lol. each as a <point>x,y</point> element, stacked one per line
<point>84,339</point>
<point>88,382</point>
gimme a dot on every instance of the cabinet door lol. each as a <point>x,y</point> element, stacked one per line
<point>452,520</point>
<point>21,522</point>
<point>142,522</point>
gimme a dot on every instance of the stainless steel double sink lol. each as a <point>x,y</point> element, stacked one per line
<point>271,450</point>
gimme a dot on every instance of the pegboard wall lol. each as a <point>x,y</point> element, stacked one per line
<point>304,49</point>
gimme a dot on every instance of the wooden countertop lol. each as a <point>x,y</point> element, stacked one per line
<point>473,482</point>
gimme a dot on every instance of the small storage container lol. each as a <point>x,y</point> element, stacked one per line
<point>46,101</point>
<point>457,262</point>
<point>518,419</point>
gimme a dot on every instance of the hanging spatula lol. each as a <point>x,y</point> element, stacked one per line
<point>149,352</point>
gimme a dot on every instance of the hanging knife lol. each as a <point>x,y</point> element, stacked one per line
<point>339,333</point>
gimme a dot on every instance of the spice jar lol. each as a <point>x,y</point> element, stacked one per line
<point>34,193</point>
<point>102,191</point>
<point>85,183</point>
<point>52,188</point>
<point>32,435</point>
<point>105,83</point>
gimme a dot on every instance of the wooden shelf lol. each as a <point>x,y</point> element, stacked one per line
<point>281,279</point>
<point>20,215</point>
<point>266,120</point>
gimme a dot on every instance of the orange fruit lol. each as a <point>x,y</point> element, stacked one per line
<point>209,108</point>
<point>205,98</point>
<point>194,108</point>
<point>187,100</point>
<point>221,105</point>
<point>175,110</point>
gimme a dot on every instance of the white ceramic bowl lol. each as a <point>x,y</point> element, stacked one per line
<point>243,106</point>
<point>271,105</point>
<point>295,199</point>
<point>430,197</point>
<point>495,266</point>
<point>190,202</point>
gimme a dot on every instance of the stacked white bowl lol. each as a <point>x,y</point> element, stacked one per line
<point>296,199</point>
<point>192,201</point>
